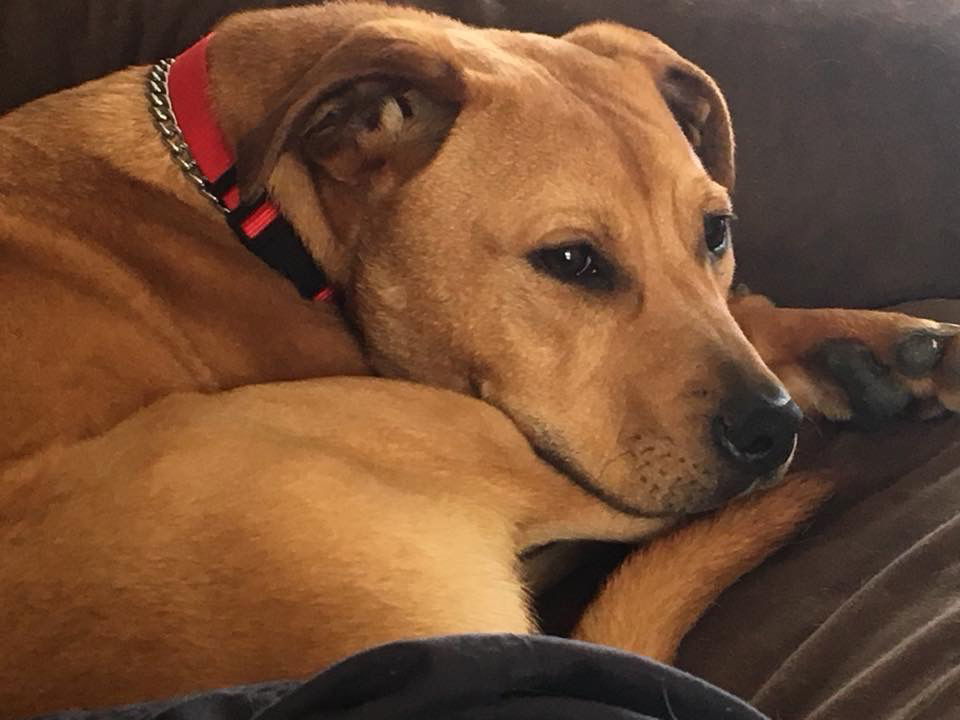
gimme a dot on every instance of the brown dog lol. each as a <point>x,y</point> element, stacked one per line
<point>268,531</point>
<point>538,222</point>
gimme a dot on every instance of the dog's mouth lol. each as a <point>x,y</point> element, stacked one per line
<point>545,446</point>
<point>582,479</point>
<point>547,451</point>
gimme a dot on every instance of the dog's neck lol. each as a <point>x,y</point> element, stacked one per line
<point>179,97</point>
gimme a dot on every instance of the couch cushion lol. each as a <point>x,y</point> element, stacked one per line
<point>858,617</point>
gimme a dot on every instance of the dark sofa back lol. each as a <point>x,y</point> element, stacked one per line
<point>846,115</point>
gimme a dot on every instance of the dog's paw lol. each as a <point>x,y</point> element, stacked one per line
<point>914,370</point>
<point>860,365</point>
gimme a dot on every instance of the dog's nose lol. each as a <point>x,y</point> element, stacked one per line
<point>757,430</point>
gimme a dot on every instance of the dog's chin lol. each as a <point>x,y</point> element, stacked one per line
<point>775,477</point>
<point>760,483</point>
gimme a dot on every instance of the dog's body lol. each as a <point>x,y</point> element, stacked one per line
<point>372,129</point>
<point>103,314</point>
<point>278,528</point>
<point>417,538</point>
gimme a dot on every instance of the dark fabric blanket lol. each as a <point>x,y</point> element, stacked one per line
<point>469,677</point>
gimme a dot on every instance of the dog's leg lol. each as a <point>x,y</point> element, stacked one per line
<point>860,365</point>
<point>650,602</point>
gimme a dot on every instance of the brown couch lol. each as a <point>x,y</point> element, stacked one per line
<point>849,163</point>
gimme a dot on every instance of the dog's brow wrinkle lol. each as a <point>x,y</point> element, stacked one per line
<point>625,124</point>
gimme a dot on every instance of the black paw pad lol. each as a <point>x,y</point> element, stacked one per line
<point>919,352</point>
<point>874,393</point>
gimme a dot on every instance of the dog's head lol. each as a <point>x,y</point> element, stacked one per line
<point>540,222</point>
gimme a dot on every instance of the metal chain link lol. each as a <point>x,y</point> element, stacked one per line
<point>158,96</point>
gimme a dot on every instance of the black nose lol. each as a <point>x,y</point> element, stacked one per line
<point>757,429</point>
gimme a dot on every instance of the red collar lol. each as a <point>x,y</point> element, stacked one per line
<point>259,225</point>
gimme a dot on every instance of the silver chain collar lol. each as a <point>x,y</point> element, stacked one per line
<point>158,97</point>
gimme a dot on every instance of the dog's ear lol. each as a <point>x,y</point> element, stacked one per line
<point>697,104</point>
<point>690,93</point>
<point>376,102</point>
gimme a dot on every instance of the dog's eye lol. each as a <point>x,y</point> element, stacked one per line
<point>716,233</point>
<point>576,263</point>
